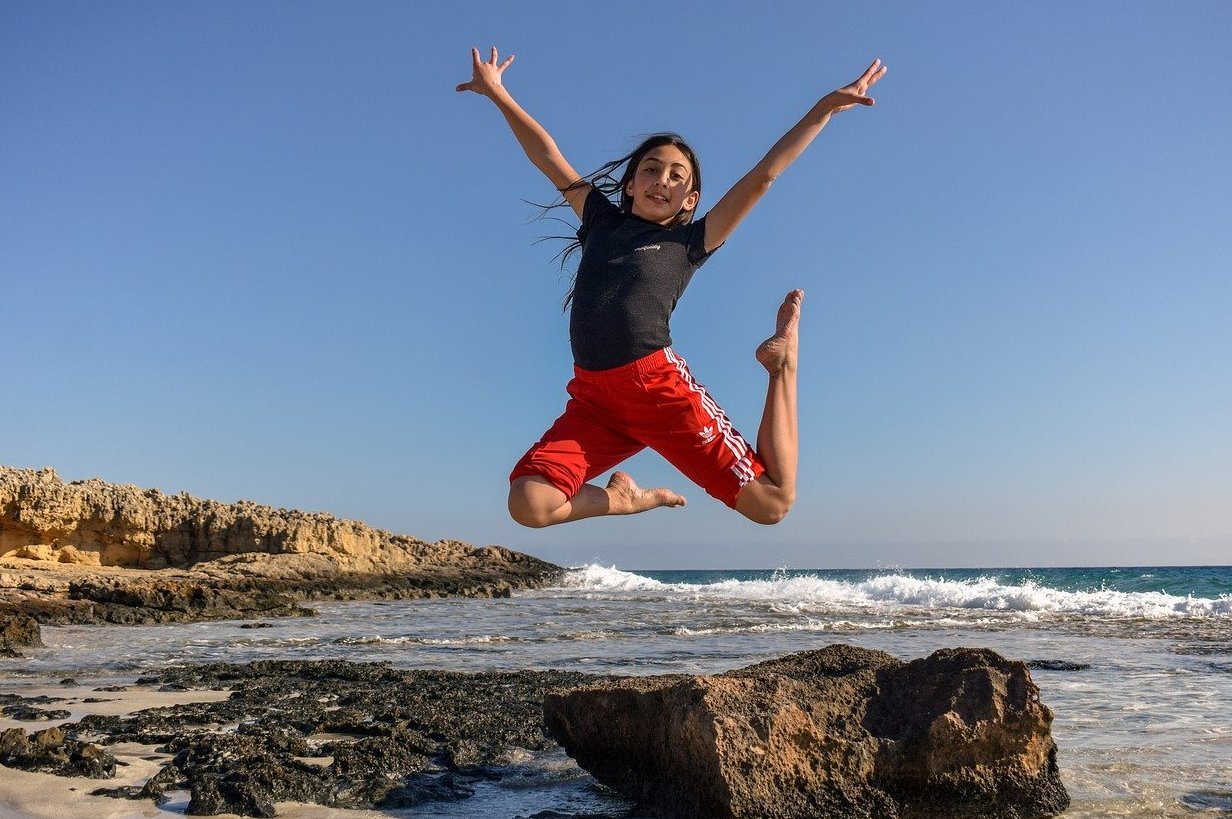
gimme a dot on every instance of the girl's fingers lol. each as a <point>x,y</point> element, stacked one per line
<point>867,77</point>
<point>478,61</point>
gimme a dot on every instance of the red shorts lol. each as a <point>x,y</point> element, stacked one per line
<point>652,402</point>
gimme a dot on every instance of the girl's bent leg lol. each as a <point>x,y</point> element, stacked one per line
<point>770,497</point>
<point>535,502</point>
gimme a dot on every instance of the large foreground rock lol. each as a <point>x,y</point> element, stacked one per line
<point>91,551</point>
<point>840,732</point>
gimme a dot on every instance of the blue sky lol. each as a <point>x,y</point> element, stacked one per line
<point>264,251</point>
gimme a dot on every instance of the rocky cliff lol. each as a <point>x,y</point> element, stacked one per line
<point>91,551</point>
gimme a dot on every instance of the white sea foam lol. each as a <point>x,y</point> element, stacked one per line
<point>377,639</point>
<point>885,594</point>
<point>477,639</point>
<point>774,628</point>
<point>608,578</point>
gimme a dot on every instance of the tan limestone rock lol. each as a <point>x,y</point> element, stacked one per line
<point>90,551</point>
<point>841,732</point>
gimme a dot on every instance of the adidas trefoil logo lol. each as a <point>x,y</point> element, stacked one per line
<point>706,434</point>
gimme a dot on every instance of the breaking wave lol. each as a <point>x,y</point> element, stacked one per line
<point>884,594</point>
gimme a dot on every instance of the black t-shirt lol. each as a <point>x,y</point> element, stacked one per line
<point>631,274</point>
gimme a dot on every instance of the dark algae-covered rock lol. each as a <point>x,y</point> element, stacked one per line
<point>345,735</point>
<point>52,751</point>
<point>840,732</point>
<point>24,710</point>
<point>18,630</point>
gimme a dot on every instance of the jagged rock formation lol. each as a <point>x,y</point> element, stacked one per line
<point>840,732</point>
<point>91,551</point>
<point>96,523</point>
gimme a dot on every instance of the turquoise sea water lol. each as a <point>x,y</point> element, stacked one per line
<point>1143,715</point>
<point>1197,581</point>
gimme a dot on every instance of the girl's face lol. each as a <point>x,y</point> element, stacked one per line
<point>662,185</point>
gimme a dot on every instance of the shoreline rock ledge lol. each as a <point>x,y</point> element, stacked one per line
<point>840,732</point>
<point>92,552</point>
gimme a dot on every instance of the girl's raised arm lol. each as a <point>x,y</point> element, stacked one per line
<point>737,202</point>
<point>538,144</point>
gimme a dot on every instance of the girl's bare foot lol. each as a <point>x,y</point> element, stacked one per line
<point>778,352</point>
<point>627,498</point>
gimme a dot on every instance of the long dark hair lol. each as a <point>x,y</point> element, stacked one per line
<point>613,178</point>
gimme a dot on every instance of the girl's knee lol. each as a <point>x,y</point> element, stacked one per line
<point>524,511</point>
<point>765,504</point>
<point>767,515</point>
<point>528,517</point>
<point>530,504</point>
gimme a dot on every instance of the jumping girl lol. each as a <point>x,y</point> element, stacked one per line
<point>630,390</point>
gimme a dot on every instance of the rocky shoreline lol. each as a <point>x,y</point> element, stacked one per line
<point>838,732</point>
<point>94,552</point>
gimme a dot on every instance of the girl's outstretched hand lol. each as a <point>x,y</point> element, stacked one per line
<point>485,76</point>
<point>852,95</point>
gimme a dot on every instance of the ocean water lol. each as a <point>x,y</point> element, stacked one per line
<point>1143,726</point>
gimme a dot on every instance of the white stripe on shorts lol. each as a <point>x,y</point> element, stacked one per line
<point>743,467</point>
